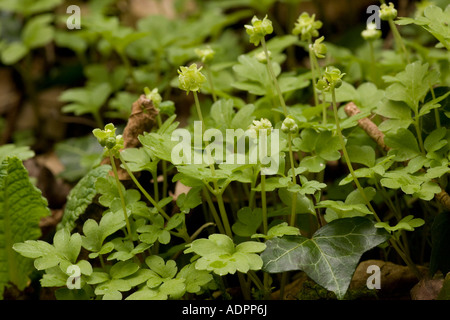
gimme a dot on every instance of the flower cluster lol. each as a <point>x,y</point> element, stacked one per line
<point>307,27</point>
<point>388,12</point>
<point>331,79</point>
<point>259,29</point>
<point>190,78</point>
<point>108,139</point>
<point>259,125</point>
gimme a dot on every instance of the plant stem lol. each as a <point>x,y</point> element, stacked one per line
<point>347,158</point>
<point>149,197</point>
<point>312,62</point>
<point>419,132</point>
<point>264,204</point>
<point>211,83</point>
<point>398,39</point>
<point>199,110</point>
<point>274,78</point>
<point>213,211</point>
<point>122,199</point>
<point>294,195</point>
<point>223,212</point>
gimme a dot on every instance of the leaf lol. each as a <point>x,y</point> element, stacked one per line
<point>408,223</point>
<point>412,84</point>
<point>189,201</point>
<point>13,53</point>
<point>38,31</point>
<point>362,154</point>
<point>219,254</point>
<point>330,257</point>
<point>435,140</point>
<point>81,196</point>
<point>248,221</point>
<point>11,150</point>
<point>440,235</point>
<point>78,155</point>
<point>304,204</point>
<point>403,144</point>
<point>21,208</point>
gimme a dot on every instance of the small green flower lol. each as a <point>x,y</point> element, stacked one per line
<point>371,32</point>
<point>289,125</point>
<point>388,12</point>
<point>259,29</point>
<point>307,27</point>
<point>332,79</point>
<point>108,139</point>
<point>154,96</point>
<point>190,78</point>
<point>261,57</point>
<point>206,54</point>
<point>258,125</point>
<point>319,48</point>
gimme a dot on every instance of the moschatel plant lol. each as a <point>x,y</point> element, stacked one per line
<point>382,118</point>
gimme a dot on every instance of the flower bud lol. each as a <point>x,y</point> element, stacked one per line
<point>332,79</point>
<point>388,12</point>
<point>319,48</point>
<point>261,57</point>
<point>206,54</point>
<point>258,29</point>
<point>154,96</point>
<point>190,78</point>
<point>289,125</point>
<point>307,27</point>
<point>371,32</point>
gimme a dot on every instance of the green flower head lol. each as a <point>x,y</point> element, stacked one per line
<point>289,125</point>
<point>259,125</point>
<point>259,29</point>
<point>371,32</point>
<point>319,48</point>
<point>388,12</point>
<point>307,27</point>
<point>206,54</point>
<point>190,78</point>
<point>154,96</point>
<point>331,79</point>
<point>108,139</point>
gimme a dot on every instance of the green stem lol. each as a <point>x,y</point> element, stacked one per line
<point>223,212</point>
<point>149,197</point>
<point>419,132</point>
<point>211,83</point>
<point>122,199</point>
<point>312,62</point>
<point>274,78</point>
<point>199,110</point>
<point>398,39</point>
<point>264,204</point>
<point>213,211</point>
<point>294,195</point>
<point>347,158</point>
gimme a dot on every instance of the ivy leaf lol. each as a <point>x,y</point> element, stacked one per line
<point>330,257</point>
